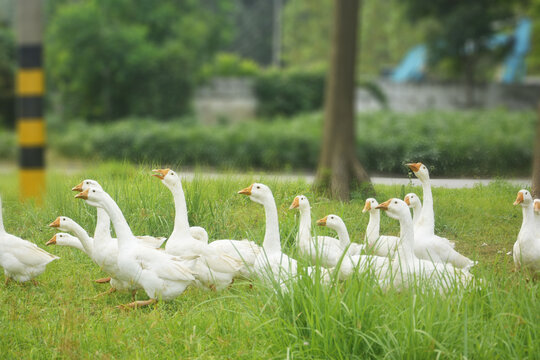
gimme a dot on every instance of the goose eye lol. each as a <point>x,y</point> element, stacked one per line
<point>395,202</point>
<point>258,187</point>
<point>93,191</point>
<point>172,173</point>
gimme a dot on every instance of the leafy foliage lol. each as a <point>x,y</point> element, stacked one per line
<point>228,64</point>
<point>466,143</point>
<point>285,93</point>
<point>110,59</point>
<point>7,75</point>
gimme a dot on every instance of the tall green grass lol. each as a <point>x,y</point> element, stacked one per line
<point>353,319</point>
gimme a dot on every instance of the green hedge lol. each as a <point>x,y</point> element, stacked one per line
<point>476,143</point>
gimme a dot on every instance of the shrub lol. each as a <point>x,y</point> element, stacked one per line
<point>286,93</point>
<point>475,143</point>
<point>8,145</point>
<point>226,64</point>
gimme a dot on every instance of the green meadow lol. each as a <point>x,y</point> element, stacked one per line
<point>354,319</point>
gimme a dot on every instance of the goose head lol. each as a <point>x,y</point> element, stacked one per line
<point>395,208</point>
<point>63,223</point>
<point>258,193</point>
<point>62,239</point>
<point>300,202</point>
<point>524,198</point>
<point>412,200</point>
<point>370,205</point>
<point>420,170</point>
<point>93,196</point>
<point>537,206</point>
<point>85,184</point>
<point>331,221</point>
<point>168,177</point>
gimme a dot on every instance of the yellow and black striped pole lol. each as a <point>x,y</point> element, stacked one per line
<point>30,89</point>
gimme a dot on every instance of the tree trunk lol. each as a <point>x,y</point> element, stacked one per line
<point>536,160</point>
<point>338,166</point>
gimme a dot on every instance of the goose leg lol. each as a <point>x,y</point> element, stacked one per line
<point>137,304</point>
<point>110,291</point>
<point>35,282</point>
<point>133,293</point>
<point>7,280</point>
<point>103,280</point>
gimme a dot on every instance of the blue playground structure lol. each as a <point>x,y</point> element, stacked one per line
<point>413,65</point>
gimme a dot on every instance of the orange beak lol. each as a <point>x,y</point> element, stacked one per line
<point>322,222</point>
<point>407,200</point>
<point>519,198</point>
<point>246,191</point>
<point>414,166</point>
<point>537,206</point>
<point>161,173</point>
<point>55,223</point>
<point>367,206</point>
<point>295,204</point>
<point>78,187</point>
<point>52,241</point>
<point>384,205</point>
<point>82,195</point>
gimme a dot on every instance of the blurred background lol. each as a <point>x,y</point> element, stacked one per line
<point>240,83</point>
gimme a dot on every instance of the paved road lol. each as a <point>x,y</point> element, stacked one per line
<point>75,167</point>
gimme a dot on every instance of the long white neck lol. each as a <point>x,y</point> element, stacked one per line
<point>86,241</point>
<point>304,228</point>
<point>528,228</point>
<point>181,222</point>
<point>71,242</point>
<point>406,238</point>
<point>2,230</point>
<point>103,226</point>
<point>373,226</point>
<point>343,235</point>
<point>271,243</point>
<point>537,224</point>
<point>121,227</point>
<point>426,218</point>
<point>416,210</point>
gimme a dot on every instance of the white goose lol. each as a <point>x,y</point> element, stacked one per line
<point>427,245</point>
<point>415,204</point>
<point>271,264</point>
<point>102,233</point>
<point>407,269</point>
<point>361,263</point>
<point>161,275</point>
<point>323,250</point>
<point>105,256</point>
<point>527,247</point>
<point>215,270</point>
<point>381,245</point>
<point>21,259</point>
<point>243,251</point>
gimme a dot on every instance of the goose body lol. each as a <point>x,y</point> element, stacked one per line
<point>407,269</point>
<point>161,275</point>
<point>213,269</point>
<point>360,263</point>
<point>427,245</point>
<point>21,259</point>
<point>322,250</point>
<point>384,245</point>
<point>526,251</point>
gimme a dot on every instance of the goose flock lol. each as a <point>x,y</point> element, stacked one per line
<point>416,257</point>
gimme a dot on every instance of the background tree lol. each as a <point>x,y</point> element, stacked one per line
<point>461,32</point>
<point>338,167</point>
<point>110,59</point>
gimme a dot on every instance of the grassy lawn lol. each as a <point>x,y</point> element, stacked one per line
<point>352,320</point>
